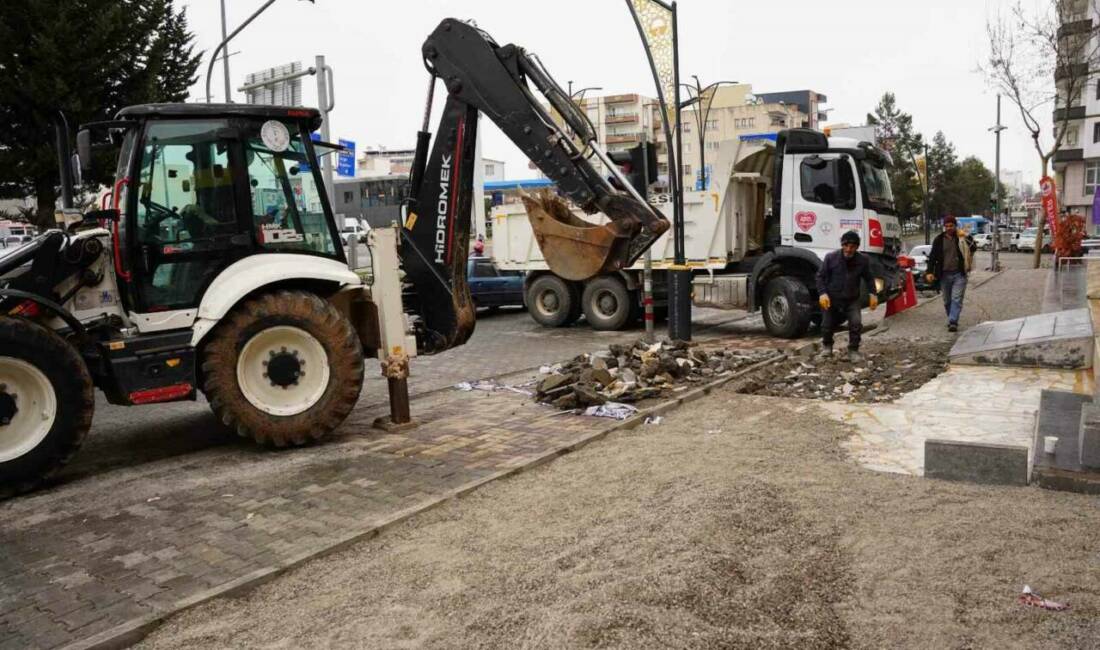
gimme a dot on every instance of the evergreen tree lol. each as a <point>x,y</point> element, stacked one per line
<point>942,165</point>
<point>87,59</point>
<point>896,136</point>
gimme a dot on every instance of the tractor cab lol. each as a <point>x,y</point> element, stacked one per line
<point>199,187</point>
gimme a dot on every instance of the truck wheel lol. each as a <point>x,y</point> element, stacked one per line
<point>46,404</point>
<point>284,368</point>
<point>606,303</point>
<point>552,302</point>
<point>787,309</point>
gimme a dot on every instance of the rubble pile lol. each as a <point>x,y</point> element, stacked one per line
<point>886,373</point>
<point>632,372</point>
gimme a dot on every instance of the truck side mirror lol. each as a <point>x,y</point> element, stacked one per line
<point>84,151</point>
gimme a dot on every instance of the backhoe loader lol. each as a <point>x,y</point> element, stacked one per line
<point>216,265</point>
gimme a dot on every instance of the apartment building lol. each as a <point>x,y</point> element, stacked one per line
<point>1077,162</point>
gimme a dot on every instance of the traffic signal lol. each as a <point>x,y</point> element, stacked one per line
<point>635,162</point>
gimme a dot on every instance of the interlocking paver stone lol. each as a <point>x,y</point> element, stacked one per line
<point>76,564</point>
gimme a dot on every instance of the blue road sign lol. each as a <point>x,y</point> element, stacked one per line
<point>345,162</point>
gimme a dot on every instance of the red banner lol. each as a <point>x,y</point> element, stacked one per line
<point>1050,204</point>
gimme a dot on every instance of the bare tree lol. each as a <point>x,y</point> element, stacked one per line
<point>1040,55</point>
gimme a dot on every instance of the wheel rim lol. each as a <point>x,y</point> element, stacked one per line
<point>27,403</point>
<point>779,309</point>
<point>547,302</point>
<point>283,370</point>
<point>605,304</point>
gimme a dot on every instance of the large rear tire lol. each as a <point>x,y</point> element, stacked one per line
<point>553,302</point>
<point>787,307</point>
<point>46,404</point>
<point>606,303</point>
<point>284,368</point>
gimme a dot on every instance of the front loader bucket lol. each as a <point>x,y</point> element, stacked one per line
<point>573,248</point>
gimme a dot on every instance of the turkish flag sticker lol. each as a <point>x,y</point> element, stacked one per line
<point>805,220</point>
<point>875,229</point>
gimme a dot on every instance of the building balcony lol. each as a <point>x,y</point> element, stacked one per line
<point>1069,155</point>
<point>1079,70</point>
<point>1071,27</point>
<point>617,139</point>
<point>1071,113</point>
<point>620,99</point>
<point>621,119</point>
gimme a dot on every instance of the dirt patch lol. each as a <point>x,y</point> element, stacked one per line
<point>887,371</point>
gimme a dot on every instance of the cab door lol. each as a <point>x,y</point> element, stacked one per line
<point>825,203</point>
<point>186,225</point>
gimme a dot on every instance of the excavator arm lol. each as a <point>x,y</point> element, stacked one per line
<point>481,75</point>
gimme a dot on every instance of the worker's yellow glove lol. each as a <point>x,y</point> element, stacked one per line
<point>824,301</point>
<point>930,278</point>
<point>874,302</point>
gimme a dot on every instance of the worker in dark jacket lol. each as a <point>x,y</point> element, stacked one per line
<point>950,260</point>
<point>838,282</point>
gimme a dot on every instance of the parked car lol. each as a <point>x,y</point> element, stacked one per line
<point>354,232</point>
<point>920,264</point>
<point>1026,240</point>
<point>984,241</point>
<point>492,287</point>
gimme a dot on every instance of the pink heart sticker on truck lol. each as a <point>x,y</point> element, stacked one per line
<point>805,220</point>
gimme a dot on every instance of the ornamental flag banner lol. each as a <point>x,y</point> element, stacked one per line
<point>1050,204</point>
<point>656,21</point>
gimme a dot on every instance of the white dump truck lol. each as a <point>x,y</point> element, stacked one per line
<point>754,239</point>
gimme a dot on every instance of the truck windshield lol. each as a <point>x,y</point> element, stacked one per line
<point>876,186</point>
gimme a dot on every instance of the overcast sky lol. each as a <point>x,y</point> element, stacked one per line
<point>853,51</point>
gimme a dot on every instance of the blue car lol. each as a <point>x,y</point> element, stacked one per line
<point>491,287</point>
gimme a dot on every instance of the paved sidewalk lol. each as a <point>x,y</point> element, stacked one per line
<point>82,571</point>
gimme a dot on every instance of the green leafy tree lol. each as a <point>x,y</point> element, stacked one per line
<point>942,164</point>
<point>87,59</point>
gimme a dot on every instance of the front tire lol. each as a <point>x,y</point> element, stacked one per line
<point>787,308</point>
<point>46,404</point>
<point>284,368</point>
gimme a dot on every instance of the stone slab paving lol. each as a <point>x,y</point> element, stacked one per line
<point>993,405</point>
<point>111,554</point>
<point>1059,339</point>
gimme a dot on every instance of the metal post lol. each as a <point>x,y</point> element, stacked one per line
<point>647,273</point>
<point>225,58</point>
<point>64,161</point>
<point>679,321</point>
<point>325,103</point>
<point>995,254</point>
<point>927,189</point>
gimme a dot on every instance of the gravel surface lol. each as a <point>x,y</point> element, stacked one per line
<point>737,522</point>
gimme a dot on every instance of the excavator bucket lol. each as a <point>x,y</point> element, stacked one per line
<point>574,248</point>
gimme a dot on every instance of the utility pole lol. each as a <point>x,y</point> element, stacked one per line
<point>924,195</point>
<point>647,272</point>
<point>994,264</point>
<point>225,58</point>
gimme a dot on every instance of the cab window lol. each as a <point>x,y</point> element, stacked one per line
<point>828,181</point>
<point>287,212</point>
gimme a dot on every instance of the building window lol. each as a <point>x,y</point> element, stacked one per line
<point>1095,132</point>
<point>687,170</point>
<point>349,197</point>
<point>490,170</point>
<point>1092,177</point>
<point>685,127</point>
<point>712,146</point>
<point>712,125</point>
<point>1071,135</point>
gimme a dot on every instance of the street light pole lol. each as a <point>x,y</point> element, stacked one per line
<point>221,46</point>
<point>924,195</point>
<point>703,100</point>
<point>225,58</point>
<point>995,254</point>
